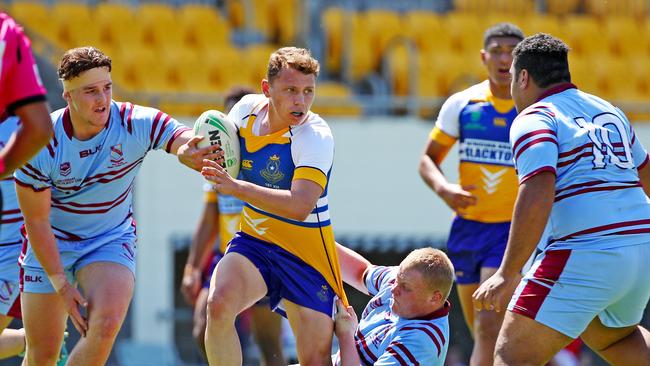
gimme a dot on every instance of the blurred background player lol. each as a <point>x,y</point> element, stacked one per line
<point>480,117</point>
<point>76,199</point>
<point>219,222</point>
<point>285,249</point>
<point>21,94</point>
<point>575,153</point>
<point>406,321</point>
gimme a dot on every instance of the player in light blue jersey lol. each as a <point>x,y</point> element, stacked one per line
<point>12,341</point>
<point>76,198</point>
<point>406,321</point>
<point>584,177</point>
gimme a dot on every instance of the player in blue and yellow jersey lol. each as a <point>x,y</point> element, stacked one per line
<point>406,321</point>
<point>584,183</point>
<point>285,248</point>
<point>76,199</point>
<point>480,119</point>
<point>219,222</point>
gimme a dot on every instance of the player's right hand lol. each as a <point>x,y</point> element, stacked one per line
<point>72,300</point>
<point>458,198</point>
<point>191,284</point>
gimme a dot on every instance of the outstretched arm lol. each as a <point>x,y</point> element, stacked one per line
<point>353,267</point>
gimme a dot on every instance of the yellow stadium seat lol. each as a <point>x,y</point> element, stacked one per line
<point>118,26</point>
<point>466,31</point>
<point>70,10</point>
<point>483,7</point>
<point>384,27</point>
<point>158,21</point>
<point>30,14</point>
<point>426,30</point>
<point>359,53</point>
<point>204,26</point>
<point>256,58</point>
<point>628,8</point>
<point>335,99</point>
<point>584,35</point>
<point>283,17</point>
<point>622,35</point>
<point>332,22</point>
<point>399,68</point>
<point>562,7</point>
<point>541,23</point>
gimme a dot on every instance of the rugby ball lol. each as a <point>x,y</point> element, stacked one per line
<point>217,129</point>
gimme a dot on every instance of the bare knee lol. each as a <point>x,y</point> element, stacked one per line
<point>43,355</point>
<point>105,326</point>
<point>487,325</point>
<point>221,308</point>
<point>198,332</point>
<point>504,355</point>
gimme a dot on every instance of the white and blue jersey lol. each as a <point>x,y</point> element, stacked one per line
<point>12,219</point>
<point>91,181</point>
<point>591,148</point>
<point>384,338</point>
<point>10,238</point>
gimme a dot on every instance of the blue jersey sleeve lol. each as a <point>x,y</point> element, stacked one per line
<point>153,128</point>
<point>35,174</point>
<point>533,137</point>
<point>378,276</point>
<point>417,344</point>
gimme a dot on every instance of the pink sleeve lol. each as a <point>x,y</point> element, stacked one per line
<point>20,82</point>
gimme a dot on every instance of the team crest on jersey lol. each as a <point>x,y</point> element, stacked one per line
<point>117,156</point>
<point>322,294</point>
<point>272,172</point>
<point>65,169</point>
<point>500,122</point>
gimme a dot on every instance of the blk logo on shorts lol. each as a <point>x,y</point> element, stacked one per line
<point>30,278</point>
<point>65,169</point>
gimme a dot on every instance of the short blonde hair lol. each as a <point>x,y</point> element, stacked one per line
<point>435,267</point>
<point>296,58</point>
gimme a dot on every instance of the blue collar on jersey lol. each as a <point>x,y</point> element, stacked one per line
<point>559,88</point>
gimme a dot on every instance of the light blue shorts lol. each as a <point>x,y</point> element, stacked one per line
<point>566,289</point>
<point>9,280</point>
<point>76,255</point>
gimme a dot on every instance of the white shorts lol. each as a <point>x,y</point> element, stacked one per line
<point>566,289</point>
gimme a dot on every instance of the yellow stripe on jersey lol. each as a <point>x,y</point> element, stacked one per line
<point>210,197</point>
<point>229,224</point>
<point>496,190</point>
<point>314,245</point>
<point>312,174</point>
<point>254,142</point>
<point>442,137</point>
<point>502,106</point>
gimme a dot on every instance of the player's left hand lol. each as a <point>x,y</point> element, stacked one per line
<point>192,156</point>
<point>345,320</point>
<point>217,175</point>
<point>495,292</point>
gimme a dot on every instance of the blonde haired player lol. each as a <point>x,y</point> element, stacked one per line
<point>220,220</point>
<point>285,248</point>
<point>406,321</point>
